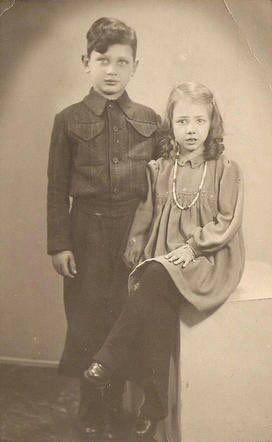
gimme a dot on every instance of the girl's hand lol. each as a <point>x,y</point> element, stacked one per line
<point>183,254</point>
<point>64,263</point>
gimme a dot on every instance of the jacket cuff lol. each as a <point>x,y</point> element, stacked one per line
<point>55,247</point>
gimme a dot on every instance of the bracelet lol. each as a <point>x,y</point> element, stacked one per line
<point>192,251</point>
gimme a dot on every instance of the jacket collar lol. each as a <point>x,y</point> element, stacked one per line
<point>97,103</point>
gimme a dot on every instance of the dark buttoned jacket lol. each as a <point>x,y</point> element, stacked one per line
<point>99,149</point>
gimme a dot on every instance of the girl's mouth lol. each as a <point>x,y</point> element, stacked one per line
<point>191,140</point>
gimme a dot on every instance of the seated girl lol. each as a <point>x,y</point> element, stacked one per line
<point>185,242</point>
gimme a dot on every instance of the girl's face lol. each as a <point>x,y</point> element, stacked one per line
<point>191,124</point>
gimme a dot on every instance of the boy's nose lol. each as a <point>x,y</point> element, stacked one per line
<point>111,69</point>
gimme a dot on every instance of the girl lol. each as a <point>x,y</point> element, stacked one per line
<point>185,241</point>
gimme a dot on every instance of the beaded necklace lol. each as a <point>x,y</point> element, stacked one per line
<point>175,182</point>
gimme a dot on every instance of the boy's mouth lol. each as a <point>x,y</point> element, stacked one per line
<point>111,82</point>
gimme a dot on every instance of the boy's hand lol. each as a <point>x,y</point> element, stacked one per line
<point>64,263</point>
<point>183,254</point>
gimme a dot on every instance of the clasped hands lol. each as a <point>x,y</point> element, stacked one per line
<point>183,254</point>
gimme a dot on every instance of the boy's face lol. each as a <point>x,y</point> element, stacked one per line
<point>110,72</point>
<point>191,124</point>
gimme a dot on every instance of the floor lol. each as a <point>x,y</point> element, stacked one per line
<point>37,405</point>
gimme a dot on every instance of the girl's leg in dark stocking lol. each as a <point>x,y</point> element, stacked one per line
<point>147,328</point>
<point>160,340</point>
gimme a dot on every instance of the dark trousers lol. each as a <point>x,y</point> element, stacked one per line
<point>95,297</point>
<point>139,345</point>
<point>93,407</point>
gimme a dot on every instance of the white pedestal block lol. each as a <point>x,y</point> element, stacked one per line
<point>223,382</point>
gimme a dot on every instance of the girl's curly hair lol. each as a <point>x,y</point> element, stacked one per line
<point>201,94</point>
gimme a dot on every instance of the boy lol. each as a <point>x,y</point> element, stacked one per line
<point>98,153</point>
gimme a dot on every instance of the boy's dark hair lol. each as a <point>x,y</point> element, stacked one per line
<point>106,31</point>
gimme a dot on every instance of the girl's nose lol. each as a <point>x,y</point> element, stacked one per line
<point>191,129</point>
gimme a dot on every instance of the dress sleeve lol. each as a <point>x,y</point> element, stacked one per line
<point>216,234</point>
<point>142,221</point>
<point>59,171</point>
<point>158,149</point>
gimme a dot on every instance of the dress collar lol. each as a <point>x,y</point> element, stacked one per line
<point>97,103</point>
<point>195,161</point>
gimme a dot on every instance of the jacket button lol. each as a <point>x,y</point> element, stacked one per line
<point>115,160</point>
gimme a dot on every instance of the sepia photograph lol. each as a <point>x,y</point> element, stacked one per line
<point>135,228</point>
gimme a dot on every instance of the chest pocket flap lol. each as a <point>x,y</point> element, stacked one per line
<point>144,128</point>
<point>86,130</point>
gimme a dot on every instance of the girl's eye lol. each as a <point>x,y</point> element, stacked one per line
<point>201,120</point>
<point>183,122</point>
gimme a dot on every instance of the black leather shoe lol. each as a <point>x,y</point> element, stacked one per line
<point>98,374</point>
<point>144,428</point>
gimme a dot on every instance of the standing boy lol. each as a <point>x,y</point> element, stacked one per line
<point>99,150</point>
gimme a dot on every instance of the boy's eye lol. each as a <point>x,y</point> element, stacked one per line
<point>103,60</point>
<point>122,62</point>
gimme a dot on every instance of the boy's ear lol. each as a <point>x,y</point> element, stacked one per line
<point>136,62</point>
<point>85,61</point>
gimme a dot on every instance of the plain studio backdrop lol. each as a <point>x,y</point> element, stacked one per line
<point>224,44</point>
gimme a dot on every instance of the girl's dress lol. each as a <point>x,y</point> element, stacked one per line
<point>140,343</point>
<point>212,227</point>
